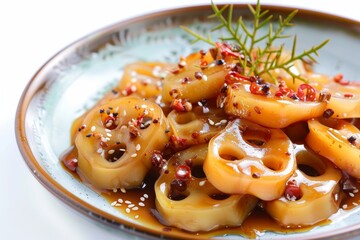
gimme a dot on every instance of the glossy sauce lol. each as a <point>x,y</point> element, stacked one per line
<point>139,204</point>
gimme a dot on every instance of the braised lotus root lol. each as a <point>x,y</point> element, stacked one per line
<point>337,140</point>
<point>198,125</point>
<point>114,149</point>
<point>312,194</point>
<point>141,79</point>
<point>185,199</point>
<point>206,80</point>
<point>269,111</point>
<point>246,158</point>
<point>345,99</point>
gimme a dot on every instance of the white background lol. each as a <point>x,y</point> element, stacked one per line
<point>30,33</point>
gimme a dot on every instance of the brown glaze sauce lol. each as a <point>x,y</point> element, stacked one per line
<point>139,204</point>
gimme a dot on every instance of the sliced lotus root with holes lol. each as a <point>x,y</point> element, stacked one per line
<point>312,194</point>
<point>187,200</point>
<point>198,125</point>
<point>246,158</point>
<point>114,149</point>
<point>337,140</point>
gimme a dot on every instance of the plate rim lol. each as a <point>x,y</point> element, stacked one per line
<point>38,80</point>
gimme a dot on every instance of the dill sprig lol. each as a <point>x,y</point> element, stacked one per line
<point>254,59</point>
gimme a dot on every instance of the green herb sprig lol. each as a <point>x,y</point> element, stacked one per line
<point>254,59</point>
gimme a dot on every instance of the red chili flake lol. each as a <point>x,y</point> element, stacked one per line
<point>195,134</point>
<point>339,78</point>
<point>255,88</point>
<point>183,172</point>
<point>71,164</point>
<point>175,71</point>
<point>203,64</point>
<point>177,105</point>
<point>233,77</point>
<point>292,191</point>
<point>177,141</point>
<point>257,109</point>
<point>306,92</point>
<point>110,122</point>
<point>348,95</point>
<point>284,90</point>
<point>157,160</point>
<point>226,50</point>
<point>129,90</point>
<point>133,131</point>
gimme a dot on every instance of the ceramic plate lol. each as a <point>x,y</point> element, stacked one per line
<point>75,78</point>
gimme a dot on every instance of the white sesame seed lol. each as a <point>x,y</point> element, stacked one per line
<point>204,77</point>
<point>133,88</point>
<point>113,203</point>
<point>115,190</point>
<point>133,73</point>
<point>182,63</point>
<point>211,121</point>
<point>100,150</point>
<point>75,160</point>
<point>128,202</point>
<point>138,147</point>
<point>136,216</point>
<point>351,194</point>
<point>127,210</point>
<point>206,110</point>
<point>356,190</point>
<point>145,195</point>
<point>200,104</point>
<point>135,208</point>
<point>141,204</point>
<point>120,200</point>
<point>109,123</point>
<point>107,130</point>
<point>344,206</point>
<point>355,204</point>
<point>131,205</point>
<point>202,183</point>
<point>93,128</point>
<point>143,106</point>
<point>118,205</point>
<point>142,199</point>
<point>224,121</point>
<point>111,151</point>
<point>122,150</point>
<point>123,190</point>
<point>109,135</point>
<point>134,155</point>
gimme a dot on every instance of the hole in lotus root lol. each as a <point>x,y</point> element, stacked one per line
<point>115,152</point>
